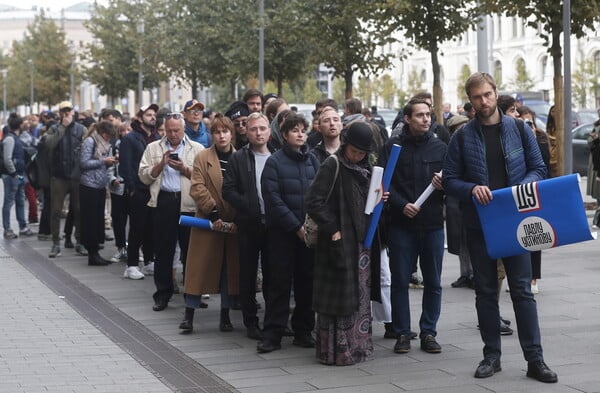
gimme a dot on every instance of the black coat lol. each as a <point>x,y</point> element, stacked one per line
<point>130,154</point>
<point>419,158</point>
<point>239,187</point>
<point>284,182</point>
<point>335,283</point>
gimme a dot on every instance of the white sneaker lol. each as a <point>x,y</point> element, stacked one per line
<point>534,288</point>
<point>206,296</point>
<point>133,273</point>
<point>148,269</point>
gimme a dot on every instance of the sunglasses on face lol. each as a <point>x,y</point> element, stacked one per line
<point>242,123</point>
<point>176,116</point>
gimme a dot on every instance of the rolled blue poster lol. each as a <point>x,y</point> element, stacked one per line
<point>387,179</point>
<point>201,223</point>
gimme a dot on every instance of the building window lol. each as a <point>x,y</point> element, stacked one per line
<point>544,66</point>
<point>515,27</point>
<point>498,73</point>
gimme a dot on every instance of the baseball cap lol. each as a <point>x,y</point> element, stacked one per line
<point>65,105</point>
<point>193,104</point>
<point>144,108</point>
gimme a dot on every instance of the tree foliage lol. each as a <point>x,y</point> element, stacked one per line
<point>522,79</point>
<point>347,36</point>
<point>428,23</point>
<point>44,54</point>
<point>549,15</point>
<point>123,31</point>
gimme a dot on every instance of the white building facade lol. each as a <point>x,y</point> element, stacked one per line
<point>510,41</point>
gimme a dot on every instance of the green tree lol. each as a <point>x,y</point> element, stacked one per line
<point>347,35</point>
<point>415,84</point>
<point>386,89</point>
<point>428,24</point>
<point>123,31</point>
<point>287,58</point>
<point>548,16</point>
<point>465,72</point>
<point>212,42</point>
<point>586,81</point>
<point>365,90</point>
<point>522,80</point>
<point>43,53</point>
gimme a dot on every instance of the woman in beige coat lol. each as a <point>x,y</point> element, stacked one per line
<point>212,264</point>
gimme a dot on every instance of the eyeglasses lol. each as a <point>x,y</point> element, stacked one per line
<point>194,111</point>
<point>176,116</point>
<point>242,123</point>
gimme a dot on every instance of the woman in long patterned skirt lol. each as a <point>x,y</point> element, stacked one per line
<point>342,286</point>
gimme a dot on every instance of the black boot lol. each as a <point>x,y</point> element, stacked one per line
<point>596,219</point>
<point>187,325</point>
<point>94,259</point>
<point>389,331</point>
<point>225,323</point>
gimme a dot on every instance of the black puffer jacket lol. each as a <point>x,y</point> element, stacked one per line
<point>285,180</point>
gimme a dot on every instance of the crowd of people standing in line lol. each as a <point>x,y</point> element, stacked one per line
<point>255,174</point>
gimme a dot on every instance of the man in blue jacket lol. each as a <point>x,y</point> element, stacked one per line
<point>493,151</point>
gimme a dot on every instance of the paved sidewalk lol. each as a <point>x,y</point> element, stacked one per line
<point>47,347</point>
<point>74,355</point>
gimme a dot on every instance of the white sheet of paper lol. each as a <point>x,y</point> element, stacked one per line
<point>375,193</point>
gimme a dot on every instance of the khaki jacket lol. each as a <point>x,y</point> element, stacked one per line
<point>153,155</point>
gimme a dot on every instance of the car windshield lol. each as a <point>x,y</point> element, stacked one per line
<point>587,116</point>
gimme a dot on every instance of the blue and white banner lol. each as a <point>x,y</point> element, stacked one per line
<point>534,216</point>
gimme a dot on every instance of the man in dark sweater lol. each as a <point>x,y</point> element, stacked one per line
<point>487,154</point>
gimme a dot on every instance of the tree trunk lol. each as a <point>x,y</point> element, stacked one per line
<point>279,87</point>
<point>556,52</point>
<point>348,74</point>
<point>438,94</point>
<point>194,80</point>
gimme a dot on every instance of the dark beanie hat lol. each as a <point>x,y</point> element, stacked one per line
<point>237,109</point>
<point>359,135</point>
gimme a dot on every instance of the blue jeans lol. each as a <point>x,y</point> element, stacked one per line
<point>14,194</point>
<point>518,274</point>
<point>405,247</point>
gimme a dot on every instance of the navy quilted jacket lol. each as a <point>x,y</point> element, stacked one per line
<point>465,164</point>
<point>285,180</point>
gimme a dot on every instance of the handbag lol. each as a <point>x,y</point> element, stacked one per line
<point>311,228</point>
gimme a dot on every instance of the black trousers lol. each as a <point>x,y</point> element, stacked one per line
<point>91,202</point>
<point>252,243</point>
<point>140,229</point>
<point>289,261</point>
<point>167,232</point>
<point>44,228</point>
<point>119,209</point>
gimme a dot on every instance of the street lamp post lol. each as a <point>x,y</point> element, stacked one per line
<point>72,71</point>
<point>140,30</point>
<point>4,74</point>
<point>31,99</point>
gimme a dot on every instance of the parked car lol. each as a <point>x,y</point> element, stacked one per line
<point>580,149</point>
<point>584,116</point>
<point>388,116</point>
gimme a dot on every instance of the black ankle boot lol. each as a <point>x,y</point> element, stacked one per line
<point>596,219</point>
<point>94,259</point>
<point>389,331</point>
<point>187,325</point>
<point>225,323</point>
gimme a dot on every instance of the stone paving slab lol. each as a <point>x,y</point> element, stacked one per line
<point>46,346</point>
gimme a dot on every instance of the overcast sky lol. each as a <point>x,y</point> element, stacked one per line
<point>52,4</point>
